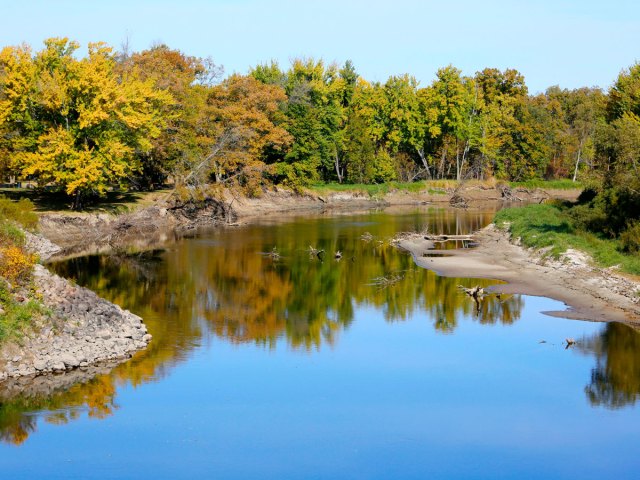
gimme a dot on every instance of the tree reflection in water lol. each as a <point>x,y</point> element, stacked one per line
<point>615,380</point>
<point>220,284</point>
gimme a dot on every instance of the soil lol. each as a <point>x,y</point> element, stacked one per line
<point>590,293</point>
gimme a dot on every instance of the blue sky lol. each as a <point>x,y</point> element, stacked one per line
<point>570,43</point>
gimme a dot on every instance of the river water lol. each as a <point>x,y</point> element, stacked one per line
<point>299,365</point>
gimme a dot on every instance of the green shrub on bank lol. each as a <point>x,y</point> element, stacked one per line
<point>552,184</point>
<point>21,212</point>
<point>549,227</point>
<point>630,239</point>
<point>17,317</point>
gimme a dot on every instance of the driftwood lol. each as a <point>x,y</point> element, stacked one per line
<point>444,238</point>
<point>274,254</point>
<point>386,281</point>
<point>477,293</point>
<point>366,237</point>
<point>316,252</point>
<point>458,201</point>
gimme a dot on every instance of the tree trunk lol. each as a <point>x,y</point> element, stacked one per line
<point>77,200</point>
<point>443,159</point>
<point>338,171</point>
<point>575,171</point>
<point>424,161</point>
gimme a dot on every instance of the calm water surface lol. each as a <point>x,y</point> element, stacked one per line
<point>308,367</point>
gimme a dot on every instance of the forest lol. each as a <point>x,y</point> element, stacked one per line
<point>139,120</point>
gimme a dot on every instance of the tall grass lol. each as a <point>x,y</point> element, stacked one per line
<point>547,226</point>
<point>564,184</point>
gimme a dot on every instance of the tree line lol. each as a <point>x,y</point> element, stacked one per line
<point>138,119</point>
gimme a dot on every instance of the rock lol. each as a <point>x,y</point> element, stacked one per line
<point>69,360</point>
<point>58,366</point>
<point>40,364</point>
<point>16,359</point>
<point>104,334</point>
<point>147,338</point>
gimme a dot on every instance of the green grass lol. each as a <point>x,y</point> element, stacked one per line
<point>564,184</point>
<point>546,226</point>
<point>435,187</point>
<point>18,317</point>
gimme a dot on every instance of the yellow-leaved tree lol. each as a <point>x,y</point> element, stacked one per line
<point>76,124</point>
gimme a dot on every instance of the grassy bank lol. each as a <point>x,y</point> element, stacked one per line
<point>113,202</point>
<point>436,186</point>
<point>549,227</point>
<point>19,308</point>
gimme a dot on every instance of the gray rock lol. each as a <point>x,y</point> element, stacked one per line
<point>104,334</point>
<point>40,364</point>
<point>58,366</point>
<point>69,360</point>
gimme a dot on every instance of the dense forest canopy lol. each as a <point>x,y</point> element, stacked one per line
<point>83,124</point>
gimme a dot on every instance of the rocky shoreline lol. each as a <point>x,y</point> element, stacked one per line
<point>83,329</point>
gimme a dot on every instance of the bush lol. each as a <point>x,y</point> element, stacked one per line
<point>10,235</point>
<point>630,239</point>
<point>15,264</point>
<point>589,217</point>
<point>20,212</point>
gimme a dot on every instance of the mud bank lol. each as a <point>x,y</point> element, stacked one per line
<point>590,293</point>
<point>80,234</point>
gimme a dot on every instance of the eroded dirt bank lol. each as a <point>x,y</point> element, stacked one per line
<point>591,293</point>
<point>79,234</point>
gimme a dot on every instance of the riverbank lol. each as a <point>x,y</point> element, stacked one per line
<point>590,293</point>
<point>83,233</point>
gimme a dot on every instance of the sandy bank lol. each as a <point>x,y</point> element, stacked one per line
<point>591,293</point>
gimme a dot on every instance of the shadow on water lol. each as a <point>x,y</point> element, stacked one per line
<point>221,284</point>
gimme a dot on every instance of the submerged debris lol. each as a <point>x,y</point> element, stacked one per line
<point>386,281</point>
<point>315,252</point>
<point>366,237</point>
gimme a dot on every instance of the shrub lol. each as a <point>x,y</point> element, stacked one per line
<point>20,212</point>
<point>15,264</point>
<point>630,238</point>
<point>10,234</point>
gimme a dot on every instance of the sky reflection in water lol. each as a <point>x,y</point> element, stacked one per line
<point>302,368</point>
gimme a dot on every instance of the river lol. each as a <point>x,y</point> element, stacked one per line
<point>271,361</point>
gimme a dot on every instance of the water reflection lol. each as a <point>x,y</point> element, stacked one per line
<point>615,379</point>
<point>222,284</point>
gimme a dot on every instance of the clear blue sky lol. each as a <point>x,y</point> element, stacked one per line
<point>565,42</point>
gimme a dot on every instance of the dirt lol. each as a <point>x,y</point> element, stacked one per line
<point>589,292</point>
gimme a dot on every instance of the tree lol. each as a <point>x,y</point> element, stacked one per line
<point>85,124</point>
<point>182,76</point>
<point>238,127</point>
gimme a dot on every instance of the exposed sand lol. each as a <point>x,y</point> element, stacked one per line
<point>590,293</point>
